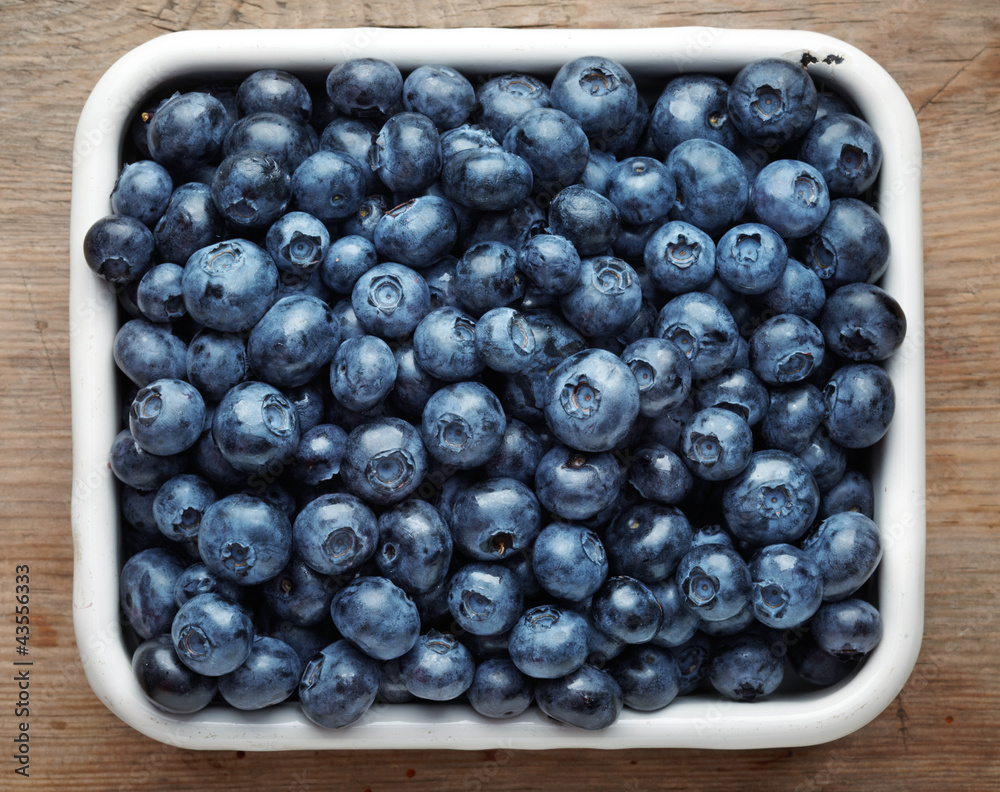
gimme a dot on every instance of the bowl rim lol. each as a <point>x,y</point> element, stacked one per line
<point>692,722</point>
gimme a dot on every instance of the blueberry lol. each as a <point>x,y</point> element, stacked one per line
<point>251,189</point>
<point>791,197</point>
<point>146,590</point>
<point>648,676</point>
<point>414,386</point>
<point>384,461</point>
<point>860,403</point>
<point>692,659</point>
<point>607,298</point>
<point>503,99</point>
<point>119,248</point>
<point>365,87</point>
<point>466,136</point>
<point>786,349</point>
<point>627,610</point>
<point>406,153</point>
<point>550,263</point>
<point>553,144</point>
<point>793,415</point>
<point>276,91</point>
<point>166,681</point>
<point>845,150</point>
<point>486,277</point>
<point>444,345</point>
<point>847,546</point>
<point>586,218</point>
<point>365,219</point>
<point>772,101</point>
<point>328,185</point>
<point>299,594</point>
<point>159,295</point>
<point>462,425</point>
<point>712,187</point>
<point>714,580</point>
<point>504,340</point>
<point>297,243</point>
<point>167,417</point>
<point>500,690</point>
<point>487,179</point>
<point>188,128</point>
<point>588,698</point>
<point>574,485</point>
<point>212,635</point>
<point>417,233</point>
<point>787,586</point>
<point>662,372</point>
<point>180,504</point>
<point>377,616</point>
<point>716,444</point>
<point>773,500</point>
<point>140,469</point>
<point>800,291</point>
<point>441,93</point>
<point>495,519</point>
<point>598,92</point>
<point>437,668</point>
<point>851,246</point>
<point>485,599</point>
<point>692,106</point>
<point>853,492</point>
<point>255,427</point>
<point>293,341</point>
<point>825,458</point>
<point>335,533</point>
<point>229,286</point>
<point>679,623</point>
<point>659,475</point>
<point>646,540</point>
<point>703,329</point>
<point>518,455</point>
<point>363,372</point>
<point>737,390</point>
<point>267,677</point>
<point>816,666</point>
<point>862,323</point>
<point>415,546</point>
<point>549,642</point>
<point>142,191</point>
<point>244,539</point>
<point>751,258</point>
<point>353,136</point>
<point>390,300</point>
<point>391,689</point>
<point>338,685</point>
<point>274,135</point>
<point>319,454</point>
<point>746,668</point>
<point>569,561</point>
<point>847,628</point>
<point>190,222</point>
<point>642,189</point>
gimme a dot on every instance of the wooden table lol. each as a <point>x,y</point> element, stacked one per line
<point>939,734</point>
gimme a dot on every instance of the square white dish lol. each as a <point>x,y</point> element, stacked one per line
<point>703,721</point>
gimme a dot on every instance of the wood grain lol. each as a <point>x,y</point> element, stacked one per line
<point>940,732</point>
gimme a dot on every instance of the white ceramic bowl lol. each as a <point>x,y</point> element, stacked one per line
<point>801,717</point>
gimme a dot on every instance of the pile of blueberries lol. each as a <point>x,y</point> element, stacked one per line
<point>556,392</point>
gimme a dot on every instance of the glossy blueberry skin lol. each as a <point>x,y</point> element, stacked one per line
<point>517,457</point>
<point>553,144</point>
<point>187,129</point>
<point>166,681</point>
<point>847,628</point>
<point>338,685</point>
<point>441,93</point>
<point>487,179</point>
<point>714,581</point>
<point>229,286</point>
<point>786,349</point>
<point>659,475</point>
<point>679,257</point>
<point>485,599</point>
<point>588,698</point>
<point>495,519</point>
<point>365,219</point>
<point>746,667</point>
<point>444,345</point>
<point>275,91</point>
<point>384,461</point>
<point>750,258</point>
<point>712,186</point>
<point>462,425</point>
<point>212,635</point>
<point>847,547</point>
<point>297,243</point>
<point>377,616</point>
<point>466,136</point>
<point>486,277</point>
<point>845,150</point>
<point>598,92</point>
<point>299,594</point>
<point>418,232</point>
<point>691,106</point>
<point>737,390</point>
<point>255,426</point>
<point>586,218</point>
<point>142,191</point>
<point>648,676</point>
<point>679,624</point>
<point>365,87</point>
<point>190,222</point>
<point>414,386</point>
<point>504,98</point>
<point>504,340</point>
<point>598,171</point>
<point>800,291</point>
<point>273,134</point>
<point>862,323</point>
<point>293,341</point>
<point>773,500</point>
<point>772,101</point>
<point>787,586</point>
<point>853,492</point>
<point>793,415</point>
<point>851,246</point>
<point>716,444</point>
<point>119,248</point>
<point>267,677</point>
<point>140,469</point>
<point>816,666</point>
<point>391,689</point>
<point>593,401</point>
<point>569,561</point>
<point>703,329</point>
<point>499,689</point>
<point>414,546</point>
<point>197,579</point>
<point>390,300</point>
<point>574,485</point>
<point>363,372</point>
<point>328,185</point>
<point>146,590</point>
<point>335,533</point>
<point>791,197</point>
<point>319,453</point>
<point>550,263</point>
<point>245,539</point>
<point>347,259</point>
<point>692,659</point>
<point>251,189</point>
<point>642,189</point>
<point>159,295</point>
<point>607,298</point>
<point>825,458</point>
<point>180,504</point>
<point>627,610</point>
<point>646,541</point>
<point>860,403</point>
<point>167,416</point>
<point>549,641</point>
<point>207,461</point>
<point>353,136</point>
<point>662,372</point>
<point>406,153</point>
<point>437,668</point>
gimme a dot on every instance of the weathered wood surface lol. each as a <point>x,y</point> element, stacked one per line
<point>941,731</point>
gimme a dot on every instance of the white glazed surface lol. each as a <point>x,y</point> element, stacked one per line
<point>706,721</point>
